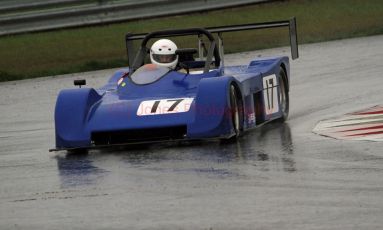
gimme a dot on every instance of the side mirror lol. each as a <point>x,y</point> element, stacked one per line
<point>79,82</point>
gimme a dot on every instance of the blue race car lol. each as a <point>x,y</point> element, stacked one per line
<point>200,98</point>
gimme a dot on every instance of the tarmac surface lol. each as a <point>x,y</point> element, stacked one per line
<point>280,176</point>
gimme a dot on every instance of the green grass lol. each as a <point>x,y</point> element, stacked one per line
<point>91,48</point>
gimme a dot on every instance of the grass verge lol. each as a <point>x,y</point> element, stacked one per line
<point>92,48</point>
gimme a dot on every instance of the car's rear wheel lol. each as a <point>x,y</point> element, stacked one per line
<point>236,111</point>
<point>283,95</point>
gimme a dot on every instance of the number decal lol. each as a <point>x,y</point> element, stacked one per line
<point>176,102</point>
<point>270,94</point>
<point>164,106</point>
<point>155,106</point>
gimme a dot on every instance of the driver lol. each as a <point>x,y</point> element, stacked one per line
<point>163,53</point>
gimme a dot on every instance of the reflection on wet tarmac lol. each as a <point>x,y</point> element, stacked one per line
<point>76,170</point>
<point>265,149</point>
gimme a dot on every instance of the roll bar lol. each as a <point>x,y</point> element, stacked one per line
<point>135,61</point>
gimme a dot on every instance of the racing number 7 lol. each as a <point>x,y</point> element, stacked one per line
<point>171,108</point>
<point>176,102</point>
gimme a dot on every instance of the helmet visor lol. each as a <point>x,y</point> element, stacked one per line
<point>164,58</point>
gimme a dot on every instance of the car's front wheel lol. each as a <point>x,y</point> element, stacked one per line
<point>236,112</point>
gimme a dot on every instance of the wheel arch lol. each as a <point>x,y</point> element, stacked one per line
<point>71,111</point>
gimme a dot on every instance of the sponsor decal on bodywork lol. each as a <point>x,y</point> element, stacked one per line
<point>251,118</point>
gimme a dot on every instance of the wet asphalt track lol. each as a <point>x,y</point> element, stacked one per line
<point>281,176</point>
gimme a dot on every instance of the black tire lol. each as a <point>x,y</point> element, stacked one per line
<point>284,100</point>
<point>236,112</point>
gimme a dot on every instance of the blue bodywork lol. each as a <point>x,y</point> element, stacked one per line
<point>147,103</point>
<point>84,112</point>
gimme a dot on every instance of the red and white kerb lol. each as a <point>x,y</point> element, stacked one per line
<point>362,125</point>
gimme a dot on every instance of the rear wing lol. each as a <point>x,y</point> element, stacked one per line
<point>291,24</point>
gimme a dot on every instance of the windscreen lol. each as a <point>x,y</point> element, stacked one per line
<point>148,73</point>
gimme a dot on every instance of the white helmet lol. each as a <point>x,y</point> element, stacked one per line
<point>163,53</point>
